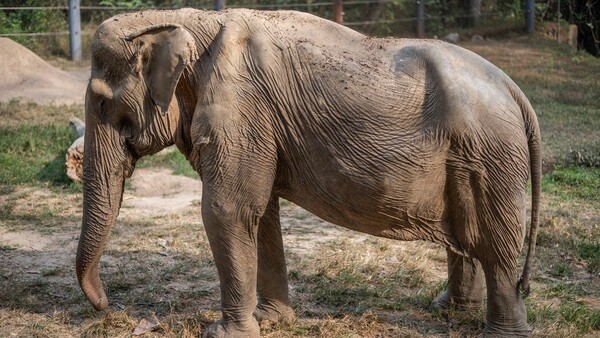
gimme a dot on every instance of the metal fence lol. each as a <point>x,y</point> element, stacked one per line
<point>78,19</point>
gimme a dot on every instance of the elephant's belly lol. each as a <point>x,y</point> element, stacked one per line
<point>391,209</point>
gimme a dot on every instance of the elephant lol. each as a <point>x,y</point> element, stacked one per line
<point>399,138</point>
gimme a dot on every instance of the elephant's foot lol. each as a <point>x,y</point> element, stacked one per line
<point>506,312</point>
<point>221,329</point>
<point>492,330</point>
<point>444,301</point>
<point>269,314</point>
<point>441,302</point>
<point>511,322</point>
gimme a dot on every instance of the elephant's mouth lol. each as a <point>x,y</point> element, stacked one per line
<point>133,157</point>
<point>129,170</point>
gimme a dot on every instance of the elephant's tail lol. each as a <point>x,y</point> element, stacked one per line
<point>535,162</point>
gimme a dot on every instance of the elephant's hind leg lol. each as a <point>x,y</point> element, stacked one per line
<point>272,285</point>
<point>499,253</point>
<point>465,284</point>
<point>506,314</point>
<point>465,275</point>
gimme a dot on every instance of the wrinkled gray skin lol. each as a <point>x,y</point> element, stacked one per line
<point>404,139</point>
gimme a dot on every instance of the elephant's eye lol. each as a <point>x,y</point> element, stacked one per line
<point>101,104</point>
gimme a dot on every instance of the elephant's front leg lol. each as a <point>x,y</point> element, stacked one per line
<point>273,299</point>
<point>232,231</point>
<point>465,284</point>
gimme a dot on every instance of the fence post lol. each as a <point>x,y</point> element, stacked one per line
<point>420,14</point>
<point>558,23</point>
<point>75,30</point>
<point>529,15</point>
<point>219,5</point>
<point>338,11</point>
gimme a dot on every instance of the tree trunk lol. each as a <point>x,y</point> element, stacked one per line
<point>471,13</point>
<point>374,10</point>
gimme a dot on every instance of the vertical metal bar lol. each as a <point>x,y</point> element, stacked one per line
<point>558,23</point>
<point>75,30</point>
<point>219,5</point>
<point>529,15</point>
<point>338,10</point>
<point>420,14</point>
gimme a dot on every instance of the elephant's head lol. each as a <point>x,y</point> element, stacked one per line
<point>135,72</point>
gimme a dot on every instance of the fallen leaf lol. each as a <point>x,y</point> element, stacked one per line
<point>146,325</point>
<point>163,242</point>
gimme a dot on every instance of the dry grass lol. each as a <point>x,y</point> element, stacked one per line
<point>162,266</point>
<point>351,285</point>
<point>22,323</point>
<point>15,113</point>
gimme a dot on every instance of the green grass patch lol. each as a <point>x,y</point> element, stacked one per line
<point>6,247</point>
<point>590,251</point>
<point>566,291</point>
<point>583,318</point>
<point>568,318</point>
<point>34,154</point>
<point>574,183</point>
<point>561,270</point>
<point>171,159</point>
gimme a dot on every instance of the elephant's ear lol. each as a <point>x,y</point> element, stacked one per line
<point>161,54</point>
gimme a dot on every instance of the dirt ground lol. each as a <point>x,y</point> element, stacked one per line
<point>159,228</point>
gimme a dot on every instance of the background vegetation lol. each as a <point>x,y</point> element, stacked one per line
<point>374,17</point>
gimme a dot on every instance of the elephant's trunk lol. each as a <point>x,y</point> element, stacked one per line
<point>98,219</point>
<point>105,167</point>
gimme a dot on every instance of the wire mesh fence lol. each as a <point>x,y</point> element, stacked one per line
<point>42,25</point>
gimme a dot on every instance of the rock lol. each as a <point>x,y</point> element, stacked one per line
<point>146,325</point>
<point>477,38</point>
<point>452,37</point>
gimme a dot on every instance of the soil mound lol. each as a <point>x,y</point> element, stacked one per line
<point>27,76</point>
